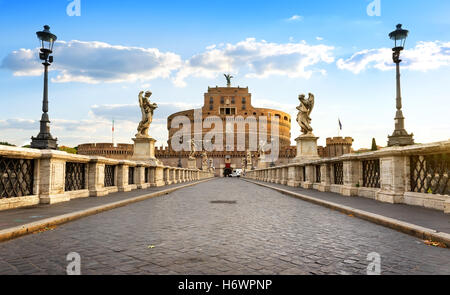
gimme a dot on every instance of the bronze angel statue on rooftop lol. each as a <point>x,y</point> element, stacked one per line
<point>147,110</point>
<point>228,77</point>
<point>304,112</point>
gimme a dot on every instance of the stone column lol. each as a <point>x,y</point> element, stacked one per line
<point>159,179</point>
<point>166,176</point>
<point>279,175</point>
<point>140,177</point>
<point>291,176</point>
<point>309,177</point>
<point>325,178</point>
<point>176,175</point>
<point>52,179</point>
<point>351,178</point>
<point>171,175</point>
<point>182,175</point>
<point>96,179</point>
<point>271,175</point>
<point>284,175</point>
<point>394,175</point>
<point>122,178</point>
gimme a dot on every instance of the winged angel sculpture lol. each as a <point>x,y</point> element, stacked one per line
<point>147,110</point>
<point>304,112</point>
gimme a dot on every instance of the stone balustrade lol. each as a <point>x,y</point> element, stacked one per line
<point>414,175</point>
<point>29,176</point>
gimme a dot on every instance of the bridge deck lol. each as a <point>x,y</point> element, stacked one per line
<point>223,226</point>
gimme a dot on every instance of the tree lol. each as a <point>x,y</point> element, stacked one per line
<point>6,143</point>
<point>68,149</point>
<point>374,145</point>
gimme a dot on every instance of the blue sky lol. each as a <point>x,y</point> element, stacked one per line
<point>177,49</point>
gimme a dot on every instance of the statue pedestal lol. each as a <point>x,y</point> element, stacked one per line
<point>262,164</point>
<point>205,167</point>
<point>192,163</point>
<point>306,148</point>
<point>144,150</point>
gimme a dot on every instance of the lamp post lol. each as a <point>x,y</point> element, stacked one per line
<point>400,137</point>
<point>44,140</point>
<point>272,164</point>
<point>179,159</point>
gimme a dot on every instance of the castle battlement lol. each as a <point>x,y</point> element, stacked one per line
<point>340,140</point>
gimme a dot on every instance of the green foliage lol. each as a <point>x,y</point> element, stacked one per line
<point>6,143</point>
<point>68,149</point>
<point>374,145</point>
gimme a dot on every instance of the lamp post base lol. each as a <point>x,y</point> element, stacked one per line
<point>401,139</point>
<point>44,143</point>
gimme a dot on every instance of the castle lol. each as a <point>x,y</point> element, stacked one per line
<point>220,104</point>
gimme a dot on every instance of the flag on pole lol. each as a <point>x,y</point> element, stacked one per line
<point>340,124</point>
<point>113,132</point>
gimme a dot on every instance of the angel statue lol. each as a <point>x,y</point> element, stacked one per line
<point>147,109</point>
<point>249,157</point>
<point>304,111</point>
<point>193,150</point>
<point>204,159</point>
<point>243,164</point>
<point>228,77</point>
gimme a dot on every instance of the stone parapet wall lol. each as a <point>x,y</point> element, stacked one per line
<point>414,175</point>
<point>120,151</point>
<point>30,177</point>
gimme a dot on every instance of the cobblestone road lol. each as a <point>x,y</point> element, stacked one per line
<point>264,232</point>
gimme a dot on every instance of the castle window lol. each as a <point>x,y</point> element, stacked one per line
<point>222,100</point>
<point>211,100</point>
<point>285,118</point>
<point>244,101</point>
<point>211,107</point>
<point>233,100</point>
<point>243,106</point>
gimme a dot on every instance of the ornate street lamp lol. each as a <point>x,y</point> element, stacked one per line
<point>400,137</point>
<point>44,140</point>
<point>180,165</point>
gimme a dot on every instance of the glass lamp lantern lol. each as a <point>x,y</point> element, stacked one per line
<point>399,37</point>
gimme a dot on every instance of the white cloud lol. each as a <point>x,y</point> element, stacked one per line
<point>94,62</point>
<point>319,38</point>
<point>424,57</point>
<point>131,112</point>
<point>295,17</point>
<point>23,62</point>
<point>21,124</point>
<point>257,59</point>
<point>97,127</point>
